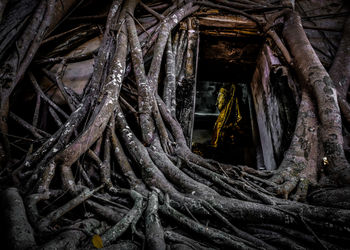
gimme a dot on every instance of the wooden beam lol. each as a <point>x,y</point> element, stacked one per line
<point>221,21</point>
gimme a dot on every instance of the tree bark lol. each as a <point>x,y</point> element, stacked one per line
<point>312,75</point>
<point>116,170</point>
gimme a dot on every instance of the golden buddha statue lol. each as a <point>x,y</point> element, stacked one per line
<point>228,119</point>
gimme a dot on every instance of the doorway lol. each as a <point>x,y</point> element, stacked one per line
<point>225,68</point>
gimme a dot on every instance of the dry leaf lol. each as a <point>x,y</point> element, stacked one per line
<point>97,241</point>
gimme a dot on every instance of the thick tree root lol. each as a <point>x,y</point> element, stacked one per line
<point>313,75</point>
<point>154,229</point>
<point>53,216</point>
<point>299,167</point>
<point>72,236</point>
<point>118,172</point>
<point>187,243</point>
<point>214,235</point>
<point>131,217</point>
<point>19,233</point>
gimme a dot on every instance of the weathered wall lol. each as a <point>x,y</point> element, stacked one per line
<point>275,120</point>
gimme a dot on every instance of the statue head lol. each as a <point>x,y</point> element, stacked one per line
<point>222,99</point>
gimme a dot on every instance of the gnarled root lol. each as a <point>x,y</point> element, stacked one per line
<point>312,75</point>
<point>299,167</point>
<point>154,230</point>
<point>131,217</point>
<point>19,233</point>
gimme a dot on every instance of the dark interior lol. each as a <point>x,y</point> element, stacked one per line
<point>224,61</point>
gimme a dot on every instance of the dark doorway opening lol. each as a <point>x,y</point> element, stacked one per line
<point>225,67</point>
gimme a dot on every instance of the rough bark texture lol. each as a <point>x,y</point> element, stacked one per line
<point>103,160</point>
<point>340,71</point>
<point>313,75</point>
<point>20,234</point>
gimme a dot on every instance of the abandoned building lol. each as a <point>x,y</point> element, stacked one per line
<point>175,124</point>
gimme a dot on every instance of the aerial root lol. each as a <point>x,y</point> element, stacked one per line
<point>185,242</point>
<point>200,189</point>
<point>214,235</point>
<point>71,237</point>
<point>248,239</point>
<point>56,214</point>
<point>131,217</point>
<point>154,229</point>
<point>19,232</point>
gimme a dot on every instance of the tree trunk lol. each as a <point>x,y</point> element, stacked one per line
<point>108,164</point>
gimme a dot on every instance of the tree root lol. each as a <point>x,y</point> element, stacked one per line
<point>140,178</point>
<point>313,75</point>
<point>53,216</point>
<point>20,234</point>
<point>72,236</point>
<point>212,234</point>
<point>183,240</point>
<point>118,229</point>
<point>299,167</point>
<point>154,230</point>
